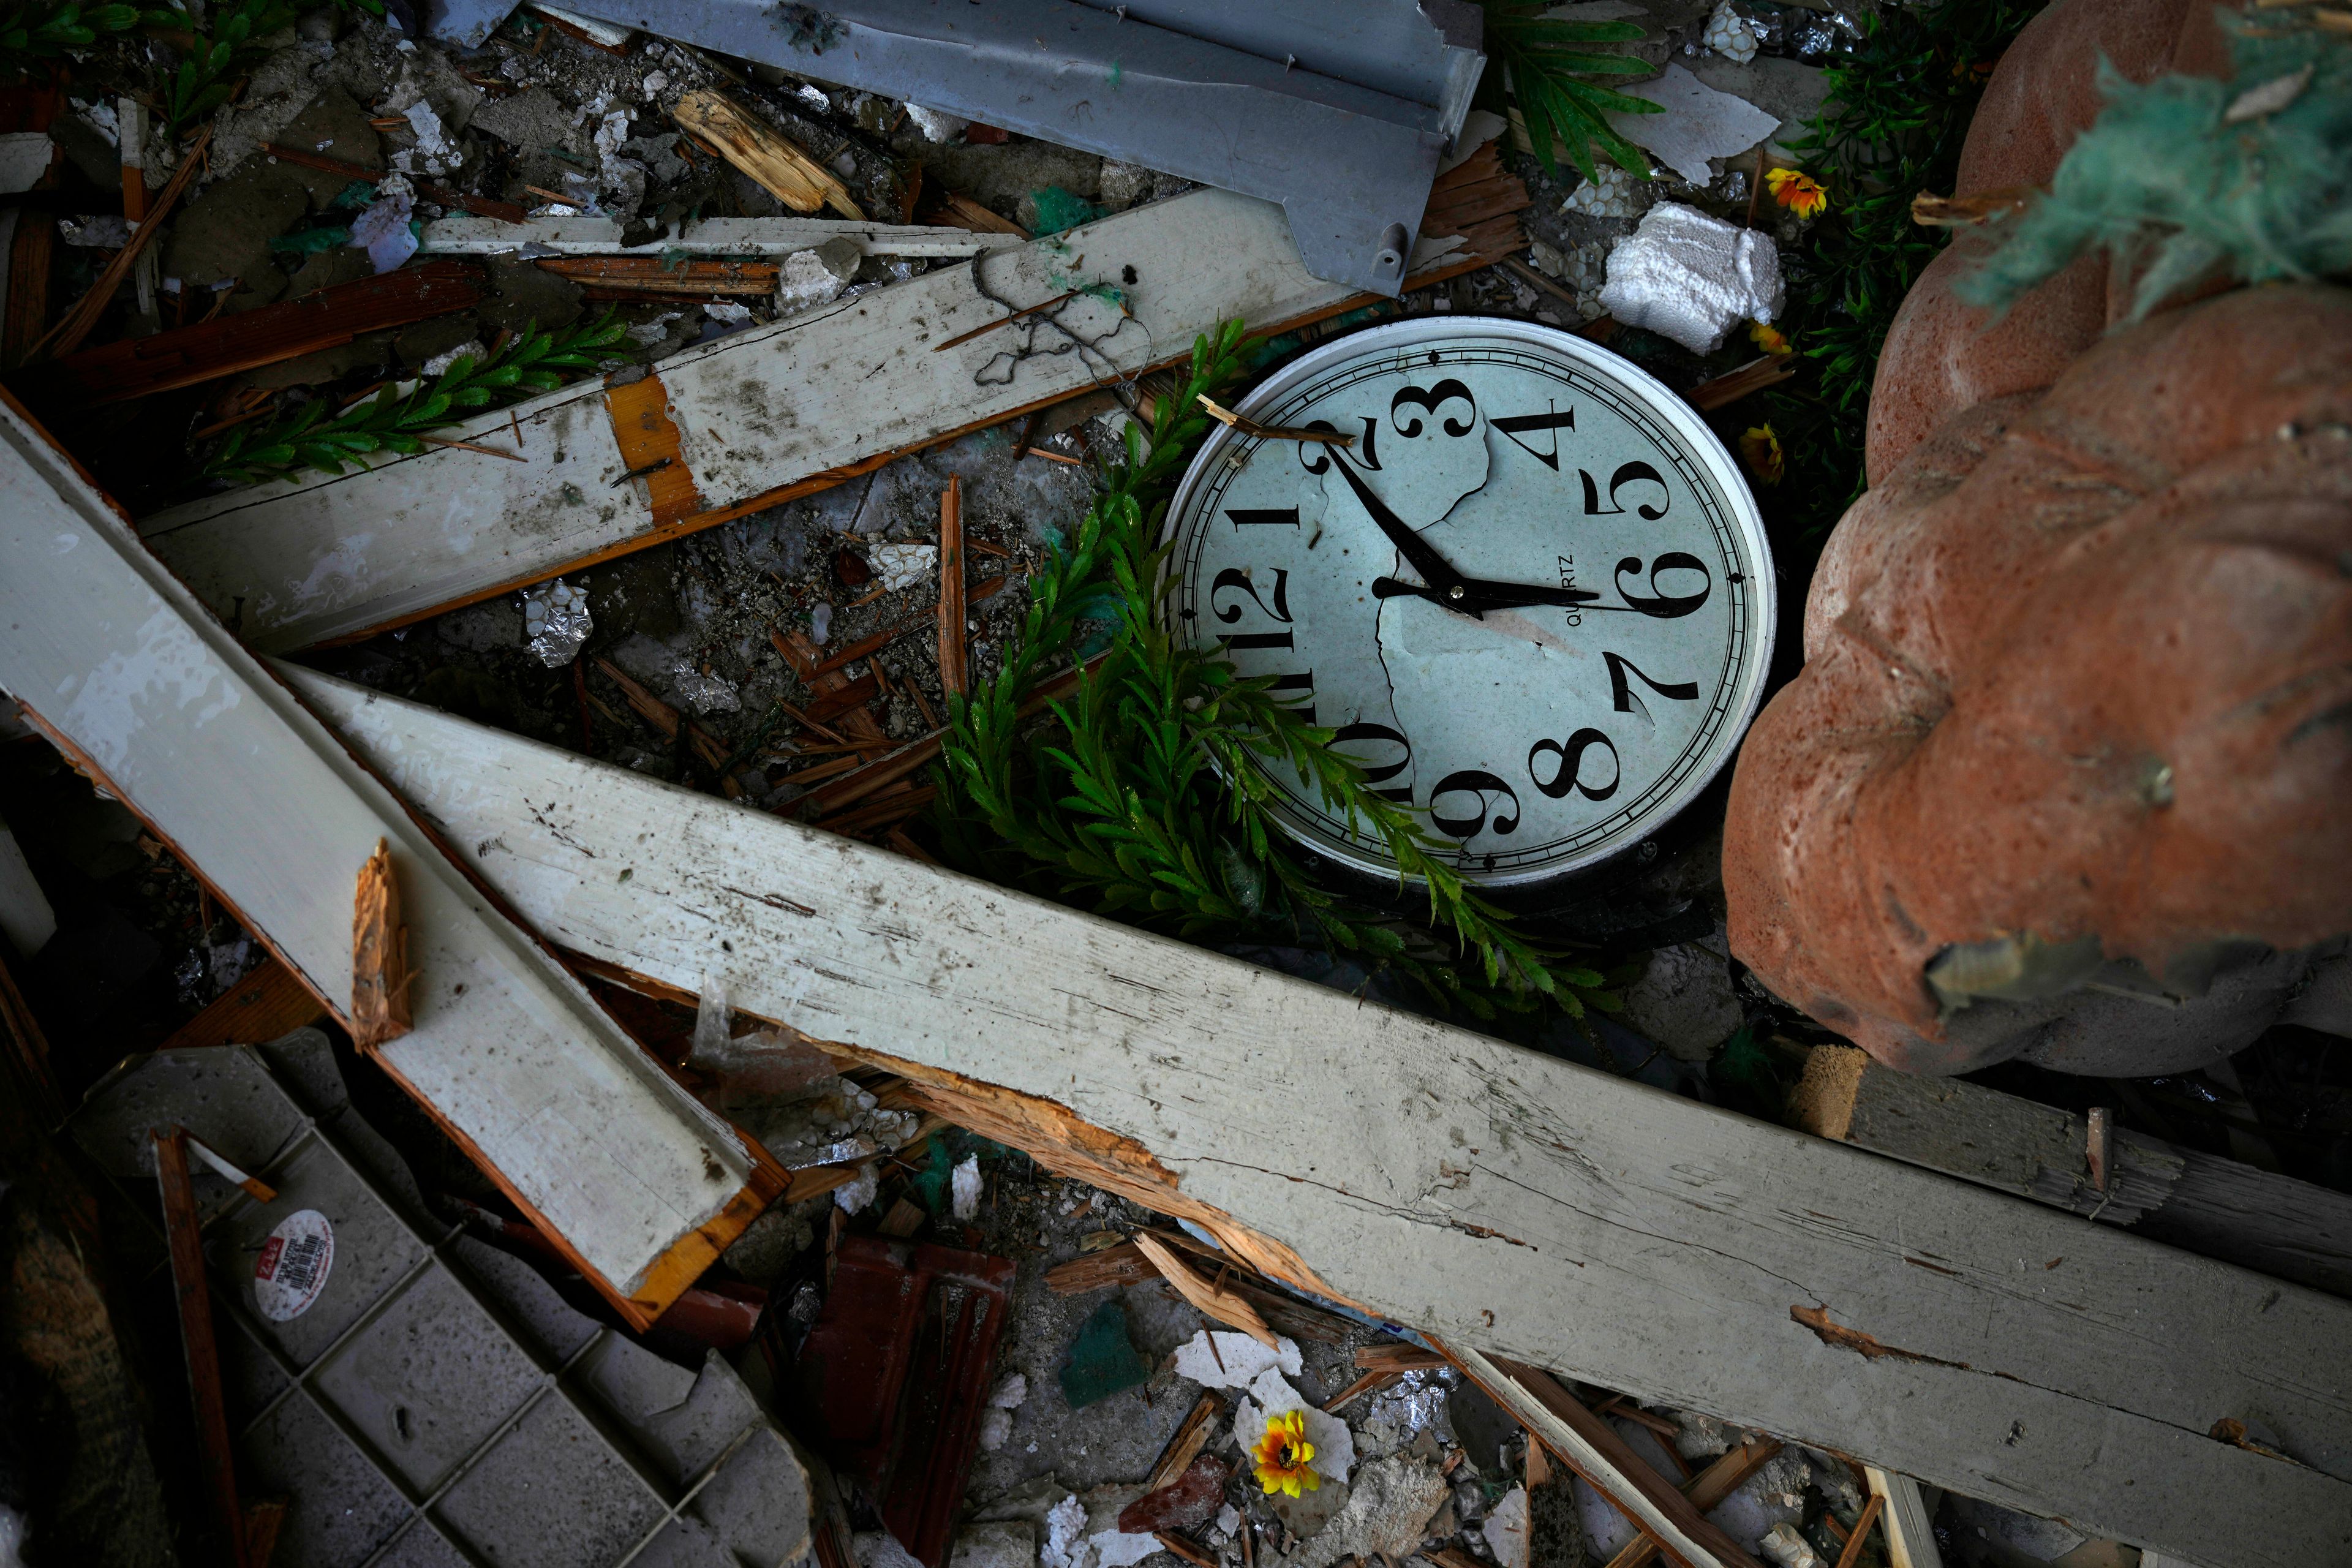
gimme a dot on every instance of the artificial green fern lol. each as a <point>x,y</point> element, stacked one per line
<point>1547,61</point>
<point>2193,178</point>
<point>1151,798</point>
<point>43,30</point>
<point>393,421</point>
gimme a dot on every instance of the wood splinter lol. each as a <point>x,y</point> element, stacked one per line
<point>380,971</point>
<point>1223,1306</point>
<point>1247,426</point>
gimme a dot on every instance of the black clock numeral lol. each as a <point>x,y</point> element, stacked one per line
<point>1658,604</point>
<point>1429,400</point>
<point>1263,517</point>
<point>1626,700</point>
<point>1555,421</point>
<point>1569,777</point>
<point>1381,775</point>
<point>1480,783</point>
<point>1246,641</point>
<point>1627,474</point>
<point>1234,577</point>
<point>1314,458</point>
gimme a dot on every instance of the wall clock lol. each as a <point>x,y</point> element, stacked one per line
<point>1533,596</point>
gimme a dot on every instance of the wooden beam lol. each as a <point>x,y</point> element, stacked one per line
<point>2219,1208</point>
<point>1509,1203</point>
<point>1707,1491</point>
<point>184,1236</point>
<point>1910,1532</point>
<point>113,660</point>
<point>137,367</point>
<point>764,415</point>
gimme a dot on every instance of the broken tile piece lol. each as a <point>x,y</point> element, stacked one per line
<point>1116,1549</point>
<point>1689,277</point>
<point>1236,1362</point>
<point>1506,1530</point>
<point>1186,1503</point>
<point>1698,123</point>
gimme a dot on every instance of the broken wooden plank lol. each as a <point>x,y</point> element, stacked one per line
<point>771,158</point>
<point>379,973</point>
<point>1910,1531</point>
<point>77,322</point>
<point>137,367</point>
<point>764,415</point>
<point>183,1238</point>
<point>1707,1491</point>
<point>772,238</point>
<point>1592,1449</point>
<point>656,277</point>
<point>1508,1203</point>
<point>113,660</point>
<point>1217,1305</point>
<point>953,669</point>
<point>2220,1208</point>
<point>262,1005</point>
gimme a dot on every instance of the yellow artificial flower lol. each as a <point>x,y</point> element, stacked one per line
<point>1282,1454</point>
<point>1769,337</point>
<point>1761,447</point>
<point>1800,194</point>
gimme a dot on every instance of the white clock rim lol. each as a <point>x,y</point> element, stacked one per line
<point>1705,446</point>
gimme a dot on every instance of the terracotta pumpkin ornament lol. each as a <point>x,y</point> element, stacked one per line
<point>2068,771</point>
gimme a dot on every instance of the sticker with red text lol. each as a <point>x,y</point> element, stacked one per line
<point>293,1265</point>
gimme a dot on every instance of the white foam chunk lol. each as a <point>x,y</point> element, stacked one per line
<point>1689,277</point>
<point>1237,1361</point>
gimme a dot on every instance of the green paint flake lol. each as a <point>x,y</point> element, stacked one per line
<point>1103,1360</point>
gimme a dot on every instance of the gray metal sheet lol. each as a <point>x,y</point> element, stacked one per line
<point>1338,110</point>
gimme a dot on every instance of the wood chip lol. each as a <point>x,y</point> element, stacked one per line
<point>380,971</point>
<point>904,1219</point>
<point>1225,1306</point>
<point>773,161</point>
<point>1190,1437</point>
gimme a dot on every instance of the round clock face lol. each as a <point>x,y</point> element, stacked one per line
<point>1532,595</point>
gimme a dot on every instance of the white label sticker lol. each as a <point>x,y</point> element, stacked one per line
<point>293,1265</point>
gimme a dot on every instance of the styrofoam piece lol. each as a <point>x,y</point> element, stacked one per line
<point>420,1396</point>
<point>1236,1361</point>
<point>1689,277</point>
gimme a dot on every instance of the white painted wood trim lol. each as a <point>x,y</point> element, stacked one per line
<point>1507,1201</point>
<point>465,233</point>
<point>1910,1532</point>
<point>324,556</point>
<point>105,651</point>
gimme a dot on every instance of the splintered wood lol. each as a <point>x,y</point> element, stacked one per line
<point>1210,1301</point>
<point>953,672</point>
<point>764,153</point>
<point>379,973</point>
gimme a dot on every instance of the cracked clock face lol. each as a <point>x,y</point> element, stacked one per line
<point>1532,595</point>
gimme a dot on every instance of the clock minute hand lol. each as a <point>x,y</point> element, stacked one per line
<point>1423,555</point>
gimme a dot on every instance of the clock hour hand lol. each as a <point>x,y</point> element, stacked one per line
<point>1474,595</point>
<point>1438,572</point>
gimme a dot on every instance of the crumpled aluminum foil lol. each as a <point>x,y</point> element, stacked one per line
<point>555,622</point>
